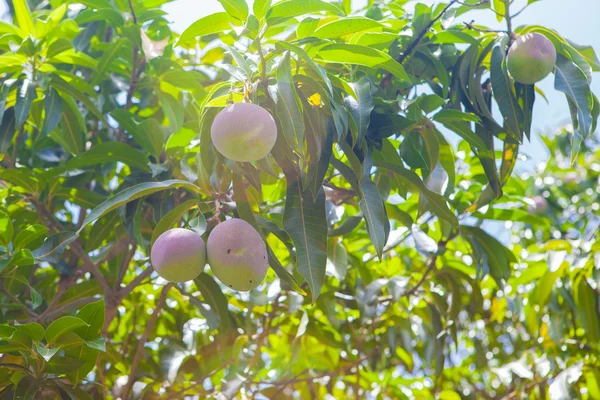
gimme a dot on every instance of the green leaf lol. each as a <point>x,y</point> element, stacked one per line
<point>304,219</point>
<point>589,55</point>
<point>287,106</point>
<point>53,105</point>
<point>436,202</point>
<point>45,352</point>
<point>23,16</point>
<point>223,101</point>
<point>213,23</point>
<point>74,58</point>
<point>414,153</point>
<point>132,193</point>
<point>320,71</point>
<point>93,315</point>
<point>4,89</point>
<point>33,330</point>
<point>62,326</point>
<point>10,366</point>
<point>173,111</point>
<point>586,301</point>
<point>454,36</point>
<point>72,125</point>
<point>245,212</point>
<point>25,95</point>
<point>337,259</point>
<point>171,218</point>
<point>102,230</point>
<point>450,114</point>
<point>97,344</point>
<point>321,129</point>
<point>54,246</point>
<point>7,130</point>
<point>88,340</point>
<point>148,134</point>
<point>261,8</point>
<point>27,389</point>
<point>110,15</point>
<point>107,59</point>
<point>213,295</point>
<point>526,96</point>
<point>63,365</point>
<point>182,79</point>
<point>429,135</point>
<point>573,83</point>
<point>464,131</point>
<point>294,8</point>
<point>109,152</point>
<point>346,227</point>
<point>7,27</point>
<point>373,209</point>
<point>345,26</point>
<point>500,9</point>
<point>21,258</point>
<point>238,9</point>
<point>361,107</point>
<point>28,235</point>
<point>362,55</point>
<point>490,255</point>
<point>543,288</point>
<point>505,96</point>
<point>6,229</point>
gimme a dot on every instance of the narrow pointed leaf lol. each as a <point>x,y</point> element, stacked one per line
<point>306,223</point>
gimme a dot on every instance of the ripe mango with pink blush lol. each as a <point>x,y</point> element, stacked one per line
<point>531,58</point>
<point>244,132</point>
<point>237,255</point>
<point>178,255</point>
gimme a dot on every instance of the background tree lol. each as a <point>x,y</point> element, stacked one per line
<point>382,205</point>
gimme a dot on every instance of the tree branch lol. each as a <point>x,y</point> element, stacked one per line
<point>430,267</point>
<point>124,264</point>
<point>469,25</point>
<point>413,45</point>
<point>63,286</point>
<point>263,66</point>
<point>140,347</point>
<point>69,306</point>
<point>135,282</point>
<point>75,247</point>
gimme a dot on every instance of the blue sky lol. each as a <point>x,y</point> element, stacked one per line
<point>576,20</point>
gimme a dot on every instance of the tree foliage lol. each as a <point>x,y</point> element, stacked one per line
<point>407,260</point>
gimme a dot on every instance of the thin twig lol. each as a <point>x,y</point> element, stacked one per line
<point>527,387</point>
<point>135,282</point>
<point>75,247</point>
<point>469,25</point>
<point>16,300</point>
<point>132,12</point>
<point>124,265</point>
<point>140,347</point>
<point>69,306</point>
<point>263,66</point>
<point>430,267</point>
<point>62,289</point>
<point>508,21</point>
<point>177,395</point>
<point>297,378</point>
<point>136,70</point>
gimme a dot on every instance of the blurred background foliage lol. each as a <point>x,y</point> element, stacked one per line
<point>436,271</point>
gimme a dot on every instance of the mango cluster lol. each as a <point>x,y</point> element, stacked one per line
<point>235,251</point>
